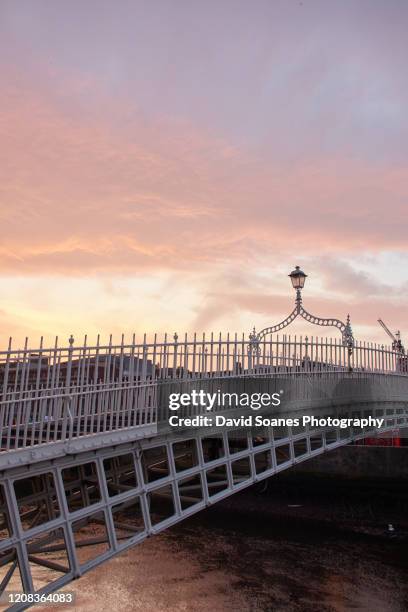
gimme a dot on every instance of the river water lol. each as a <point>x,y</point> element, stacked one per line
<point>285,549</point>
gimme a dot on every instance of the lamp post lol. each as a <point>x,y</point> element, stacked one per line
<point>298,278</point>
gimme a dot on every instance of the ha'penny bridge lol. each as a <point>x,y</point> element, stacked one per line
<point>90,466</point>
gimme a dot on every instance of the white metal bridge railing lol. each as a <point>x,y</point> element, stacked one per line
<point>60,393</point>
<point>40,416</point>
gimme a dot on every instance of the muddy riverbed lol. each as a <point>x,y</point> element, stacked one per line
<point>299,546</point>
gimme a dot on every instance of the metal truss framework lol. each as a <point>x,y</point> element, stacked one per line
<point>59,519</point>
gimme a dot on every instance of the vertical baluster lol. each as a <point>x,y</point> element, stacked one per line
<point>228,361</point>
<point>36,401</point>
<point>211,367</point>
<point>47,376</point>
<point>130,396</point>
<point>194,365</point>
<point>82,366</point>
<point>312,353</point>
<point>235,356</point>
<point>49,405</point>
<point>20,396</point>
<point>204,357</point>
<point>322,354</point>
<point>367,355</point>
<point>144,360</point>
<point>357,344</point>
<point>94,395</point>
<point>138,376</point>
<point>5,407</point>
<point>301,360</point>
<point>165,368</point>
<point>105,395</point>
<point>325,353</point>
<point>241,354</point>
<point>175,347</point>
<point>121,360</point>
<point>263,355</point>
<point>240,362</point>
<point>12,396</point>
<point>87,369</point>
<point>67,404</point>
<point>331,354</point>
<point>154,357</point>
<point>121,412</point>
<point>307,354</point>
<point>361,355</point>
<point>219,356</point>
<point>186,358</point>
<point>294,356</point>
<point>7,370</point>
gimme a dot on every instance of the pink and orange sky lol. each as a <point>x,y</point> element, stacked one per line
<point>164,165</point>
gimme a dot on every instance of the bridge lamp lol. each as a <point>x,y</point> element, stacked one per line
<point>298,278</point>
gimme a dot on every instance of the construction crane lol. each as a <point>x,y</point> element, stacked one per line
<point>396,339</point>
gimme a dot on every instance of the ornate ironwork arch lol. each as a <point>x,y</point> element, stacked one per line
<point>299,311</point>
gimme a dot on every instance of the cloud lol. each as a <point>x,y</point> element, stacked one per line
<point>340,277</point>
<point>96,183</point>
<point>79,197</point>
